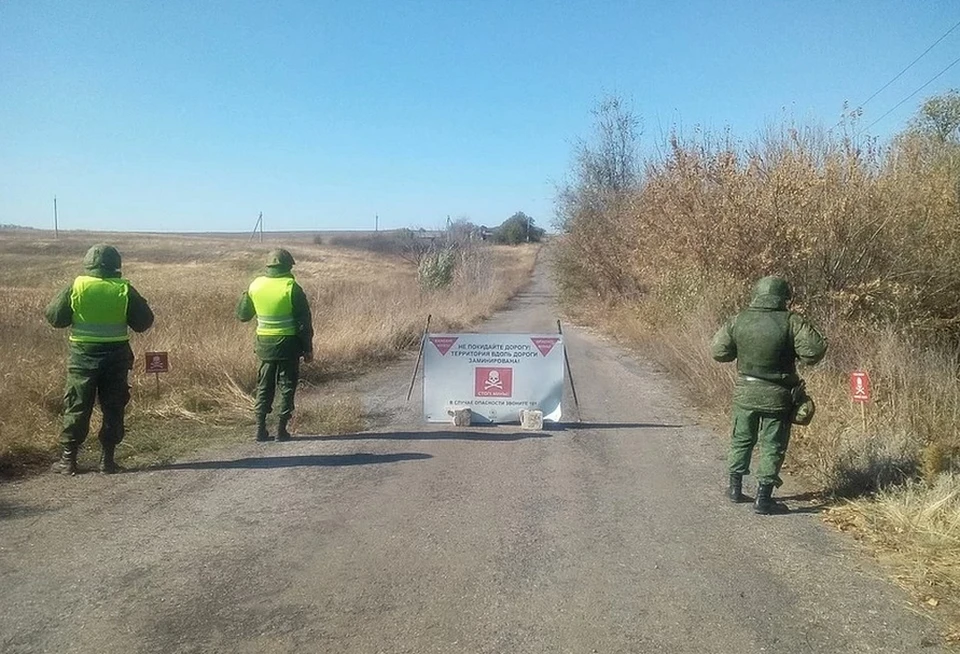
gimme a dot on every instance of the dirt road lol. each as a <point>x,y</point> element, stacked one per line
<point>605,536</point>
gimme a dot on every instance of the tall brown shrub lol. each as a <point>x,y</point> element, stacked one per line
<point>868,235</point>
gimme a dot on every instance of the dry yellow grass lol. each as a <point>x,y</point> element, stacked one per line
<point>915,530</point>
<point>367,307</point>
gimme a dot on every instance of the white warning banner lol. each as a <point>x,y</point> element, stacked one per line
<point>494,375</point>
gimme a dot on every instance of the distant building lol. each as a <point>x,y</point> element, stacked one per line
<point>431,234</point>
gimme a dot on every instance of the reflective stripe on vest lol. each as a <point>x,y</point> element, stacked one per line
<point>99,310</point>
<point>273,301</point>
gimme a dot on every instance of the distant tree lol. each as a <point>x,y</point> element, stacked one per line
<point>931,142</point>
<point>518,228</point>
<point>593,206</point>
<point>462,229</point>
<point>939,116</point>
<point>606,167</point>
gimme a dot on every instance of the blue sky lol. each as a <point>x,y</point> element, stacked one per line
<point>196,115</point>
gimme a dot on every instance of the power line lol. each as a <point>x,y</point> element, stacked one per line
<point>909,66</point>
<point>925,85</point>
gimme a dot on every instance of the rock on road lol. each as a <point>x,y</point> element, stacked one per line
<point>605,536</point>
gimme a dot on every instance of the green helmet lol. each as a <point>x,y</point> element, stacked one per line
<point>281,259</point>
<point>771,293</point>
<point>102,257</point>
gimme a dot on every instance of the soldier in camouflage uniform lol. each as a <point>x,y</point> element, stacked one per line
<point>766,340</point>
<point>98,306</point>
<point>284,335</point>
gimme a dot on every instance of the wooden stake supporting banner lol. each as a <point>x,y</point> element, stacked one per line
<point>416,368</point>
<point>566,361</point>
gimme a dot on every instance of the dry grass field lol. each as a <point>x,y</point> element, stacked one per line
<point>367,308</point>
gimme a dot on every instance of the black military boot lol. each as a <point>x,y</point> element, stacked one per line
<point>108,465</point>
<point>735,490</point>
<point>262,434</point>
<point>67,465</point>
<point>765,504</point>
<point>282,433</point>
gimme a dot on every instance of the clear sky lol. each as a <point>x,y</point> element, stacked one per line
<point>198,114</point>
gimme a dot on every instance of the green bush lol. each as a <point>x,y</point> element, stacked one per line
<point>436,269</point>
<point>518,228</point>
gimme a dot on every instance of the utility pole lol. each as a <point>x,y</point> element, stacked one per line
<point>376,222</point>
<point>56,221</point>
<point>258,227</point>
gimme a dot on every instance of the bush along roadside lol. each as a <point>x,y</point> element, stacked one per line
<point>660,250</point>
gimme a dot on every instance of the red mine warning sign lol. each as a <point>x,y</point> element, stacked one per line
<point>860,386</point>
<point>157,362</point>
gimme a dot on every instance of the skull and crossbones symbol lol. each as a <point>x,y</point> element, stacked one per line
<point>493,381</point>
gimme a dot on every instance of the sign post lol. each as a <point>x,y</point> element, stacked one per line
<point>566,360</point>
<point>157,362</point>
<point>423,339</point>
<point>860,393</point>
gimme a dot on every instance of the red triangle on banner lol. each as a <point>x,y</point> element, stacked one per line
<point>545,344</point>
<point>443,343</point>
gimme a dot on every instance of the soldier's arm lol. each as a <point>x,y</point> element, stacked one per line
<point>723,347</point>
<point>59,313</point>
<point>808,342</point>
<point>245,310</point>
<point>304,318</point>
<point>139,313</point>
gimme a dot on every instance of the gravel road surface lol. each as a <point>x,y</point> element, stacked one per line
<point>606,536</point>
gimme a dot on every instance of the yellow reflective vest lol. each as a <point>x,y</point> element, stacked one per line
<point>99,310</point>
<point>273,301</point>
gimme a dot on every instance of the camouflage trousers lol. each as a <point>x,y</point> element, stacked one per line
<point>771,431</point>
<point>282,374</point>
<point>84,387</point>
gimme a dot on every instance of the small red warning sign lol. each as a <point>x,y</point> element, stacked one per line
<point>860,386</point>
<point>544,344</point>
<point>493,382</point>
<point>443,343</point>
<point>157,362</point>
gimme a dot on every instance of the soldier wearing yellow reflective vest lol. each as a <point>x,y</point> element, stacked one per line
<point>98,307</point>
<point>284,335</point>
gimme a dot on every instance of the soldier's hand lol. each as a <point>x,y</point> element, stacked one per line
<point>307,357</point>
